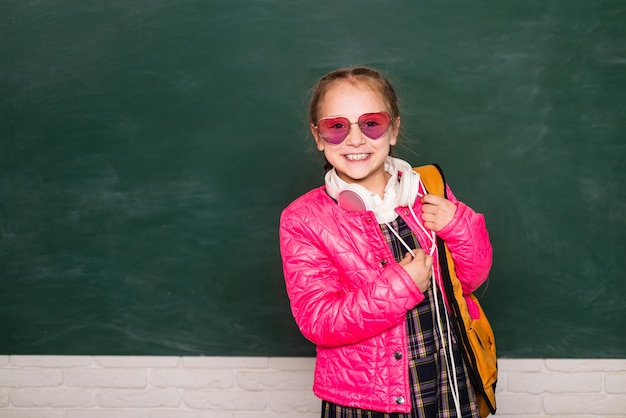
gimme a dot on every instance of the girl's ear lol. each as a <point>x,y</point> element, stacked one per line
<point>395,129</point>
<point>318,141</point>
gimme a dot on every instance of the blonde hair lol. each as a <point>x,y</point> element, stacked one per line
<point>368,76</point>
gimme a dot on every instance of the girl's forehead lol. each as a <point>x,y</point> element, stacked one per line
<point>352,87</point>
<point>351,95</point>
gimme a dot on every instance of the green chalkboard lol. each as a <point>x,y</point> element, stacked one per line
<point>148,147</point>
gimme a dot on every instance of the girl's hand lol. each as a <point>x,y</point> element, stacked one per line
<point>437,212</point>
<point>419,268</point>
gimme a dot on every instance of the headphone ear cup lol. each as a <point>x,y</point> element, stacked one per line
<point>351,201</point>
<point>409,185</point>
<point>351,197</point>
<point>355,198</point>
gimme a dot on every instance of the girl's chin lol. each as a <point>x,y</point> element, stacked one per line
<point>354,176</point>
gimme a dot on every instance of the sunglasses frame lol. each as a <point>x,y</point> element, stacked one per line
<point>349,124</point>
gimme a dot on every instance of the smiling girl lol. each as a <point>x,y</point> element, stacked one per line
<point>359,268</point>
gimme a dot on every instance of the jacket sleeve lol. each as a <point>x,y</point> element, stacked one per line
<point>468,241</point>
<point>328,312</point>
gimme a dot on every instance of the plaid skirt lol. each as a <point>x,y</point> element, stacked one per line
<point>431,394</point>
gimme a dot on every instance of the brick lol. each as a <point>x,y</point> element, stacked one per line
<point>274,380</point>
<point>51,361</point>
<point>295,402</point>
<point>615,383</point>
<point>173,413</point>
<point>111,378</point>
<point>535,383</point>
<point>138,398</point>
<point>137,361</point>
<point>226,362</point>
<point>279,415</point>
<point>586,365</point>
<point>33,413</point>
<point>520,365</point>
<point>103,413</point>
<point>225,400</point>
<point>524,405</point>
<point>293,363</point>
<point>196,378</point>
<point>501,384</point>
<point>575,414</point>
<point>30,377</point>
<point>53,397</point>
<point>585,404</point>
<point>4,397</point>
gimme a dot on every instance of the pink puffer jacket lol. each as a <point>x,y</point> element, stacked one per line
<point>349,296</point>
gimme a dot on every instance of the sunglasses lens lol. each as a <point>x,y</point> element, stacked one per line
<point>374,125</point>
<point>333,130</point>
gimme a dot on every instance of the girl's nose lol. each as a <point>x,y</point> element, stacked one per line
<point>355,136</point>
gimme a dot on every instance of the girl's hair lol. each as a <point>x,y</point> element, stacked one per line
<point>368,76</point>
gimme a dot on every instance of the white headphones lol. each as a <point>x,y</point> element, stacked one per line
<point>354,197</point>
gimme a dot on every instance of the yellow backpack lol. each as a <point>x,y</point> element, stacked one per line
<point>475,335</point>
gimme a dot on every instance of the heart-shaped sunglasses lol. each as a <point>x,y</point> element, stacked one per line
<point>335,130</point>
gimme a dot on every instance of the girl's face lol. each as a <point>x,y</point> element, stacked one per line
<point>358,159</point>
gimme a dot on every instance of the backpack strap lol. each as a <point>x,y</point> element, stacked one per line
<point>434,182</point>
<point>433,179</point>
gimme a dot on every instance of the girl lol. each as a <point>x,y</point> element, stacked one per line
<point>359,256</point>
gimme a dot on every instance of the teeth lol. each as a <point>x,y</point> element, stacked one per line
<point>356,157</point>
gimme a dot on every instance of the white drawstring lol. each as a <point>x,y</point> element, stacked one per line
<point>400,238</point>
<point>449,353</point>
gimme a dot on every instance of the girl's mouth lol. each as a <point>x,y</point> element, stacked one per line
<point>356,157</point>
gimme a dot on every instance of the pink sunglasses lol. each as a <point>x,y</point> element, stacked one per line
<point>335,130</point>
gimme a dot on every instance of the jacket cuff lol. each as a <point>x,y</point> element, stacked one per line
<point>448,230</point>
<point>415,295</point>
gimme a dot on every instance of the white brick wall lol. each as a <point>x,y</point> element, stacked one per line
<point>262,387</point>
